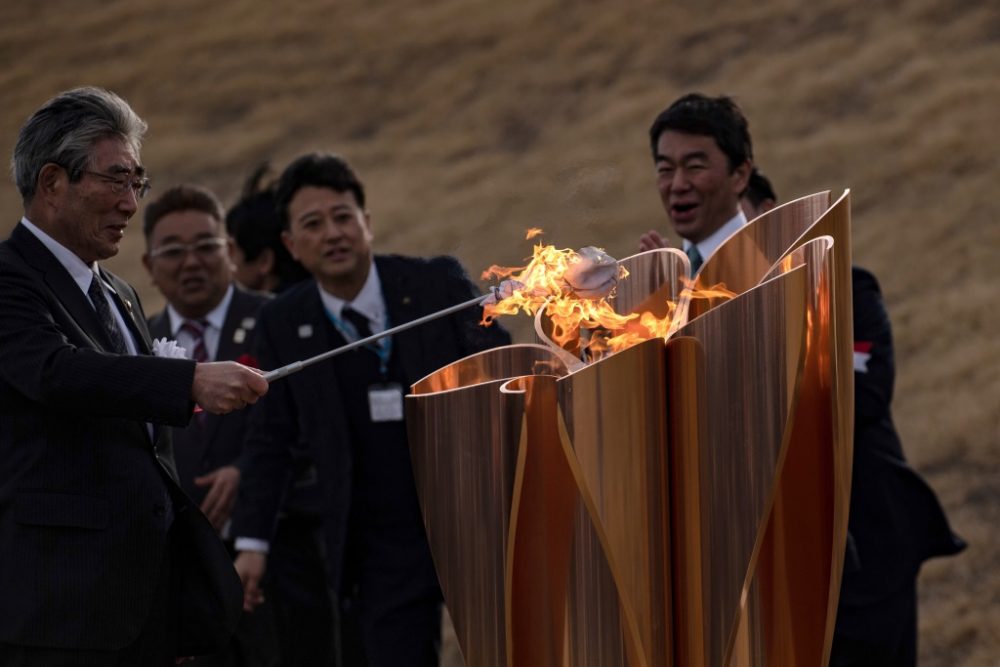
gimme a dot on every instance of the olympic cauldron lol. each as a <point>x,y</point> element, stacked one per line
<point>682,502</point>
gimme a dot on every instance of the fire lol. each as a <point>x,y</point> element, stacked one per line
<point>590,325</point>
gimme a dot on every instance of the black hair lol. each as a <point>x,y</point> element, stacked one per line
<point>716,117</point>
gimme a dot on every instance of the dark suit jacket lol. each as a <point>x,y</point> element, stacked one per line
<point>301,419</point>
<point>83,512</point>
<point>215,440</point>
<point>896,522</point>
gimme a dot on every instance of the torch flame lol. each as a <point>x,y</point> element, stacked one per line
<point>590,322</point>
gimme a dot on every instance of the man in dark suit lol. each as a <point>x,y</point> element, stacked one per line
<point>895,521</point>
<point>103,560</point>
<point>338,427</point>
<point>188,258</point>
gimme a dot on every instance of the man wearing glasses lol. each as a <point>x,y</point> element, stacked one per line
<point>103,559</point>
<point>212,318</point>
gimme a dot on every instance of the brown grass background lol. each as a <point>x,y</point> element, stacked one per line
<point>473,120</point>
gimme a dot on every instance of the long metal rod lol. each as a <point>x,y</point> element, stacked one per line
<point>296,366</point>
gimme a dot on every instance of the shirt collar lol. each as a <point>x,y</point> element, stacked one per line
<point>369,301</point>
<point>82,274</point>
<point>709,245</point>
<point>215,317</point>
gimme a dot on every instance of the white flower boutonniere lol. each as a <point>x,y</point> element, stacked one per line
<point>169,349</point>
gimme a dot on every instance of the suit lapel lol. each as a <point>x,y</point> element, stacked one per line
<point>402,307</point>
<point>62,286</point>
<point>310,337</point>
<point>232,346</point>
<point>129,308</point>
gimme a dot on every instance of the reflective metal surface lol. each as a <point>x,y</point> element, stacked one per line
<point>679,503</point>
<point>748,383</point>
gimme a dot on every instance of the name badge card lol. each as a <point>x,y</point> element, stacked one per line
<point>385,402</point>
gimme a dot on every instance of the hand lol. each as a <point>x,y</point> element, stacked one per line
<point>223,485</point>
<point>652,240</point>
<point>250,565</point>
<point>223,386</point>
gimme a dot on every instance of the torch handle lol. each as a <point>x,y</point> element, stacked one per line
<point>296,366</point>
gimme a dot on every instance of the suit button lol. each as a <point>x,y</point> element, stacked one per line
<point>159,510</point>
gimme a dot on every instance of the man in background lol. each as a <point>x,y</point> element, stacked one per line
<point>261,259</point>
<point>188,257</point>
<point>103,560</point>
<point>759,197</point>
<point>703,155</point>
<point>338,427</point>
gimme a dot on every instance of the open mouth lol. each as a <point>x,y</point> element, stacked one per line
<point>683,212</point>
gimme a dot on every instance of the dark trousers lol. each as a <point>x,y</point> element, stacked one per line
<point>298,593</point>
<point>152,648</point>
<point>390,600</point>
<point>883,634</point>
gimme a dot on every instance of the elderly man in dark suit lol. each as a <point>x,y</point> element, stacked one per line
<point>212,318</point>
<point>339,427</point>
<point>103,560</point>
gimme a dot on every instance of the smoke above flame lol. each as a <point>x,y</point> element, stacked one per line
<point>581,316</point>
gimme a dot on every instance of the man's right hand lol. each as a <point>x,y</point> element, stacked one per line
<point>652,240</point>
<point>250,565</point>
<point>223,386</point>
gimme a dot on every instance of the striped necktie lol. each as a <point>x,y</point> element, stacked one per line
<point>100,301</point>
<point>196,329</point>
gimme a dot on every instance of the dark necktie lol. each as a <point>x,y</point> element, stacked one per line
<point>696,259</point>
<point>196,330</point>
<point>358,321</point>
<point>96,294</point>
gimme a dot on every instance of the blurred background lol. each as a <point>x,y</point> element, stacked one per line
<point>470,121</point>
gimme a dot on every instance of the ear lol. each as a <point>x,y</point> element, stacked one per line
<point>286,238</point>
<point>265,260</point>
<point>52,180</point>
<point>147,261</point>
<point>368,226</point>
<point>740,177</point>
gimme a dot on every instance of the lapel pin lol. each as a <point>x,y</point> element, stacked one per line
<point>239,336</point>
<point>305,331</point>
<point>248,322</point>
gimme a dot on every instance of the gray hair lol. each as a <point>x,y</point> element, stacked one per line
<point>65,130</point>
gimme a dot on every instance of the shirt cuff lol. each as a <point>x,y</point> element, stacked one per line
<point>251,544</point>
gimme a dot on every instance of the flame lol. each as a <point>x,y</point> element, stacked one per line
<point>532,233</point>
<point>590,325</point>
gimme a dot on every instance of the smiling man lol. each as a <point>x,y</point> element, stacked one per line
<point>703,155</point>
<point>188,257</point>
<point>103,560</point>
<point>338,429</point>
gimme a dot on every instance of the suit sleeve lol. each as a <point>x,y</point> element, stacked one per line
<point>471,335</point>
<point>874,366</point>
<point>39,362</point>
<point>266,463</point>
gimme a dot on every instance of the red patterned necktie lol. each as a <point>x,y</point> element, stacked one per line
<point>196,330</point>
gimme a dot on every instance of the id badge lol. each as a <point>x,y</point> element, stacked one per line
<point>385,402</point>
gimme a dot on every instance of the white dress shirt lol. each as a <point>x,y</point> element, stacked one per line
<point>709,245</point>
<point>213,320</point>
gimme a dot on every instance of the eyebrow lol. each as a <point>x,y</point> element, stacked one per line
<point>693,155</point>
<point>201,236</point>
<point>318,211</point>
<point>139,170</point>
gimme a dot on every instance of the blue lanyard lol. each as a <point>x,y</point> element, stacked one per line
<point>382,347</point>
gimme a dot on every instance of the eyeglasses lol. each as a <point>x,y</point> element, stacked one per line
<point>203,249</point>
<point>122,183</point>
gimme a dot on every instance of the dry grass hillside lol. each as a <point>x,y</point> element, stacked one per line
<point>473,120</point>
